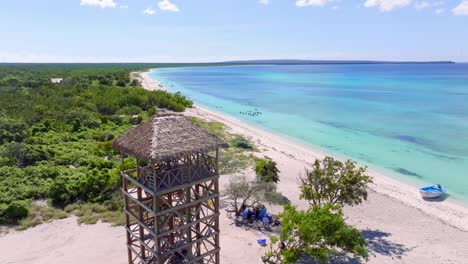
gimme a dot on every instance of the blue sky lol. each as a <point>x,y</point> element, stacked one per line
<point>219,30</point>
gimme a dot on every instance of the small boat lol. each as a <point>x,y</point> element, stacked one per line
<point>431,191</point>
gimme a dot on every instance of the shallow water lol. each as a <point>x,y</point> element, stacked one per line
<point>410,119</point>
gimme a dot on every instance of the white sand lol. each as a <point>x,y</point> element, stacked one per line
<point>148,82</point>
<point>400,227</point>
<point>64,241</point>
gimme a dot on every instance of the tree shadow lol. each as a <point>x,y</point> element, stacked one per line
<point>377,243</point>
<point>224,204</point>
<point>337,258</point>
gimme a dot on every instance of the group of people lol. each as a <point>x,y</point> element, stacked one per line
<point>258,213</point>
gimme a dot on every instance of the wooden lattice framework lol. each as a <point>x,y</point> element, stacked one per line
<point>172,210</point>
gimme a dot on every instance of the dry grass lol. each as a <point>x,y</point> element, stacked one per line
<point>91,213</point>
<point>41,214</point>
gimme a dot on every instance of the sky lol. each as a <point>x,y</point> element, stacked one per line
<point>222,30</point>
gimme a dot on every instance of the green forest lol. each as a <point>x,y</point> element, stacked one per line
<point>55,139</point>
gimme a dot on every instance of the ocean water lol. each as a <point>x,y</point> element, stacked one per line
<point>407,120</point>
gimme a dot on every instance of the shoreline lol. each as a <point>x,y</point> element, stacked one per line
<point>396,230</point>
<point>449,211</point>
<point>455,214</point>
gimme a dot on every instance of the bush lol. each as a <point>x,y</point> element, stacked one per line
<point>12,131</point>
<point>129,110</point>
<point>59,192</point>
<point>103,136</point>
<point>136,120</point>
<point>266,170</point>
<point>152,111</point>
<point>241,142</point>
<point>92,123</point>
<point>94,186</point>
<point>117,119</point>
<point>16,211</point>
<point>42,171</point>
<point>25,154</point>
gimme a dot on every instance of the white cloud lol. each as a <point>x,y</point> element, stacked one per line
<point>439,11</point>
<point>264,2</point>
<point>123,6</point>
<point>424,4</point>
<point>149,11</point>
<point>335,7</point>
<point>100,3</point>
<point>166,5</point>
<point>461,9</point>
<point>387,5</point>
<point>303,3</point>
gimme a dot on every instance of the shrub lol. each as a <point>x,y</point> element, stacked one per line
<point>117,119</point>
<point>136,120</point>
<point>266,170</point>
<point>103,136</point>
<point>129,110</point>
<point>25,154</point>
<point>92,122</point>
<point>12,130</point>
<point>241,142</point>
<point>94,186</point>
<point>16,211</point>
<point>152,111</point>
<point>59,192</point>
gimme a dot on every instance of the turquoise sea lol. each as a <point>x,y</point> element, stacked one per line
<point>407,120</point>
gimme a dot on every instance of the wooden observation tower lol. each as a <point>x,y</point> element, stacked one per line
<point>172,194</point>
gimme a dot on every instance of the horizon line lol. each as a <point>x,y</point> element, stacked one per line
<point>261,61</point>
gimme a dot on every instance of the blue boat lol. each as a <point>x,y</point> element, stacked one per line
<point>431,191</point>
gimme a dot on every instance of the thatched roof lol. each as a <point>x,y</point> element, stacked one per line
<point>166,137</point>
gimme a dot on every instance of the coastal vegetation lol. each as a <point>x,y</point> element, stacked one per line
<point>55,138</point>
<point>321,231</point>
<point>314,233</point>
<point>241,142</point>
<point>266,170</point>
<point>332,181</point>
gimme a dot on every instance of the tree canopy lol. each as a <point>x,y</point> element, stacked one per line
<point>316,232</point>
<point>241,192</point>
<point>334,182</point>
<point>266,170</point>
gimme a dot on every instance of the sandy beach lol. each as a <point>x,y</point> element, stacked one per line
<point>399,226</point>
